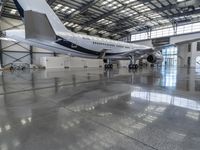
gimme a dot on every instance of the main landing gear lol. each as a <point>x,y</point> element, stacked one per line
<point>108,66</point>
<point>132,66</point>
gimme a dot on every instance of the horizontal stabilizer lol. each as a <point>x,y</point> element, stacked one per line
<point>37,26</point>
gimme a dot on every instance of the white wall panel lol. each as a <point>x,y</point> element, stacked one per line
<point>52,62</point>
<point>37,57</point>
<point>124,63</point>
<point>69,62</point>
<point>92,63</point>
<point>77,62</point>
<point>101,63</point>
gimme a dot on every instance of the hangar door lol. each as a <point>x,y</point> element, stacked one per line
<point>170,55</point>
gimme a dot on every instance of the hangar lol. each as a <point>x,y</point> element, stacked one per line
<point>99,74</point>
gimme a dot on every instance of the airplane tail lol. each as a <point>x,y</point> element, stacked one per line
<point>39,19</point>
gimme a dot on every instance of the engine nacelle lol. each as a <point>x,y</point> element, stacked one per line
<point>155,58</point>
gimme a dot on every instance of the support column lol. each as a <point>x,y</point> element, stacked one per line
<point>54,54</point>
<point>193,54</point>
<point>129,38</point>
<point>1,50</point>
<point>1,54</point>
<point>175,26</point>
<point>31,55</point>
<point>149,33</point>
<point>193,65</point>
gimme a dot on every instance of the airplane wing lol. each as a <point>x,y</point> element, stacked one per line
<point>143,51</point>
<point>139,52</point>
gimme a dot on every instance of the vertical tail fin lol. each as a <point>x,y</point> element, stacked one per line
<point>40,7</point>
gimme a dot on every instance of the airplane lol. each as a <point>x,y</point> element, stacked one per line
<point>45,30</point>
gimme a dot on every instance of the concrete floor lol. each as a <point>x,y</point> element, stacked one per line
<point>151,109</point>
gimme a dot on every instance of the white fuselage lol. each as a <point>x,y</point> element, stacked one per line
<point>80,45</point>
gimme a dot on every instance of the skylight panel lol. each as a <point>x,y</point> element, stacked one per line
<point>137,6</point>
<point>129,1</point>
<point>58,7</point>
<point>128,12</point>
<point>89,29</point>
<point>104,21</point>
<point>73,25</point>
<point>154,15</point>
<point>64,9</point>
<point>111,4</point>
<point>13,11</point>
<point>103,32</point>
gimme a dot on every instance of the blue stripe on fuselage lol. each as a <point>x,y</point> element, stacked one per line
<point>75,47</point>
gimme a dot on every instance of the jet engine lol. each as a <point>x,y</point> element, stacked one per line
<point>155,58</point>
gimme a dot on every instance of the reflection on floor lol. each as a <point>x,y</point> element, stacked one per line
<point>95,109</point>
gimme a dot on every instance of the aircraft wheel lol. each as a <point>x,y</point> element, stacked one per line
<point>106,66</point>
<point>130,66</point>
<point>133,66</point>
<point>136,66</point>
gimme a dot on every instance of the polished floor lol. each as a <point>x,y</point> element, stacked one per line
<point>94,109</point>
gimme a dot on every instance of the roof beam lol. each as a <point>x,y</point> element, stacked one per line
<point>2,4</point>
<point>170,16</point>
<point>103,16</point>
<point>156,10</point>
<point>50,2</point>
<point>11,16</point>
<point>126,19</point>
<point>83,9</point>
<point>108,14</point>
<point>123,7</point>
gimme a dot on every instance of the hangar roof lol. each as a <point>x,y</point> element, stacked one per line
<point>118,18</point>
